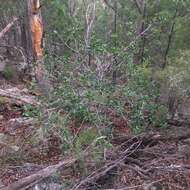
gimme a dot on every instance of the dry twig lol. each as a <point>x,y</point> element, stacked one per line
<point>111,165</point>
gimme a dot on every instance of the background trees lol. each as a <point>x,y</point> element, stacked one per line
<point>102,38</point>
<point>104,42</point>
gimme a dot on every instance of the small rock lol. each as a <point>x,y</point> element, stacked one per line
<point>47,186</point>
<point>55,186</point>
<point>15,148</point>
<point>1,117</point>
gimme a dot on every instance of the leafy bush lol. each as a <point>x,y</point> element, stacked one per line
<point>141,92</point>
<point>8,72</point>
<point>84,97</point>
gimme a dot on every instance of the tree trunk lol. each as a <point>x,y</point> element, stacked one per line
<point>114,75</point>
<point>170,36</point>
<point>36,31</point>
<point>141,6</point>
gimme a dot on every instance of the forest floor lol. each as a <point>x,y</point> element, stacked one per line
<point>158,159</point>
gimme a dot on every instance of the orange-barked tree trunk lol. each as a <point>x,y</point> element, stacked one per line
<point>36,33</point>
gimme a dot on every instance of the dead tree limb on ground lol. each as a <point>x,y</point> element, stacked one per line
<point>8,27</point>
<point>16,95</point>
<point>31,180</point>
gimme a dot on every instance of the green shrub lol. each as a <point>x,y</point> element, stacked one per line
<point>82,96</point>
<point>8,72</point>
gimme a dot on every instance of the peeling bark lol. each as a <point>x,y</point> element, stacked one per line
<point>36,29</point>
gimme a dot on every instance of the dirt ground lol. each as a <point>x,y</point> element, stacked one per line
<point>156,160</point>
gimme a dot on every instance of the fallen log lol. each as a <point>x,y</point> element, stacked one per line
<point>17,96</point>
<point>7,28</point>
<point>31,180</point>
<point>181,133</point>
